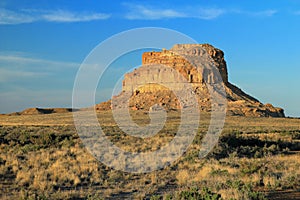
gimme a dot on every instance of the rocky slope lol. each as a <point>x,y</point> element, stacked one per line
<point>147,86</point>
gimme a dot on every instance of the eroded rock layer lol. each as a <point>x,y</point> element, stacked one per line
<point>147,84</point>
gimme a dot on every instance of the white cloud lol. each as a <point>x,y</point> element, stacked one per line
<point>67,16</point>
<point>209,13</point>
<point>152,13</point>
<point>11,17</point>
<point>142,12</point>
<point>31,15</point>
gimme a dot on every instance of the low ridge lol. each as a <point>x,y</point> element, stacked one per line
<point>37,111</point>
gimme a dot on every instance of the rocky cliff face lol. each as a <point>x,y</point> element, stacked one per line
<point>147,86</point>
<point>195,76</point>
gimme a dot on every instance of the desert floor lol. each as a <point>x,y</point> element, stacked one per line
<point>43,157</point>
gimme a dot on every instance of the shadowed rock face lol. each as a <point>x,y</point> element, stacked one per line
<point>146,85</point>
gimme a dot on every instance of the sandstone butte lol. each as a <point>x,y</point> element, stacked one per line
<point>144,94</point>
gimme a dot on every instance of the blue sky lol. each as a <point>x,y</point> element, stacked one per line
<point>42,44</point>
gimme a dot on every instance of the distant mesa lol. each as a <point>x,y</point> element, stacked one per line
<point>37,111</point>
<point>145,92</point>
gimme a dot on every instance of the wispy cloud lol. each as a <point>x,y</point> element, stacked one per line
<point>152,13</point>
<point>296,12</point>
<point>142,12</point>
<point>262,13</point>
<point>67,16</point>
<point>11,17</point>
<point>266,13</point>
<point>29,16</point>
<point>21,58</point>
<point>16,67</point>
<point>12,74</point>
<point>209,13</point>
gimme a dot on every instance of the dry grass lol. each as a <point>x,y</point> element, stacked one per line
<point>202,174</point>
<point>43,155</point>
<point>183,176</point>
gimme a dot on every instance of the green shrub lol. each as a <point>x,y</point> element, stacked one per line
<point>197,194</point>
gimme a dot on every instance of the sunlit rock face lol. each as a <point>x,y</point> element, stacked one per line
<point>165,72</point>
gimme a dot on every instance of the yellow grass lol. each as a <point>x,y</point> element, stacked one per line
<point>50,169</point>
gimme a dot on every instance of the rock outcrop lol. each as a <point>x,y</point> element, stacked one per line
<point>147,86</point>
